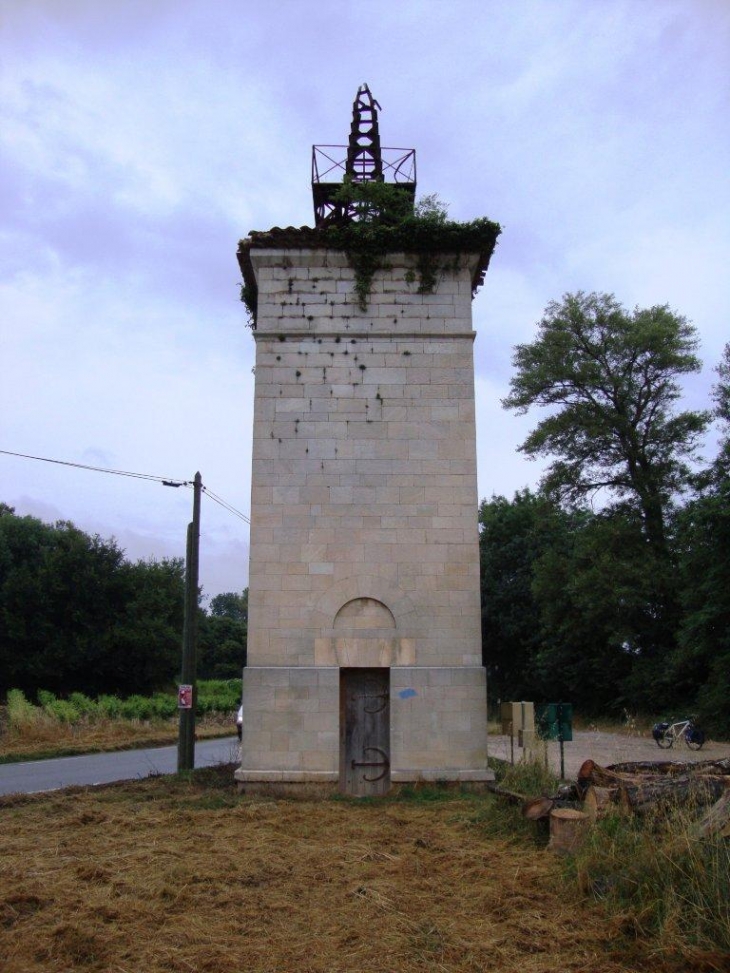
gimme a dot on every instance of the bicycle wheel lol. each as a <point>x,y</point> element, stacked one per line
<point>666,740</point>
<point>694,738</point>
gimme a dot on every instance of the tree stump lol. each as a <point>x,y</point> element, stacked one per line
<point>567,830</point>
<point>717,818</point>
<point>598,801</point>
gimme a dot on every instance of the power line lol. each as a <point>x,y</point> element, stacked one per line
<point>165,481</point>
<point>168,481</point>
<point>226,506</point>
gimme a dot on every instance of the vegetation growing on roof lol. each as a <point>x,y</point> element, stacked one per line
<point>387,222</point>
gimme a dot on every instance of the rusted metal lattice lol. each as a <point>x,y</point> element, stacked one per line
<point>362,160</point>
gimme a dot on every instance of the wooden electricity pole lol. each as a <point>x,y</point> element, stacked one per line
<point>187,699</point>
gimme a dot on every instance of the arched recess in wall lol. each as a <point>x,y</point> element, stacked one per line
<point>363,614</point>
<point>386,593</point>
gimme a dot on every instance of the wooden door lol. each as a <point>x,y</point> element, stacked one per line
<point>364,731</point>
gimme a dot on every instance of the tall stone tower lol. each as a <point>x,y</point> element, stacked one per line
<point>364,647</point>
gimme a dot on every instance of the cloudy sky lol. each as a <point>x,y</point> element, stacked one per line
<point>140,139</point>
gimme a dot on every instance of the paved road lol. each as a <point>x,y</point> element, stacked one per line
<point>102,768</point>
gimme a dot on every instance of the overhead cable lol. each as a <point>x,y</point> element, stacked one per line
<point>164,480</point>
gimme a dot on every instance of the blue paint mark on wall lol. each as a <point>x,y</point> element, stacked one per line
<point>407,693</point>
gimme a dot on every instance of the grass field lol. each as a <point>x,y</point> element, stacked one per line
<point>181,874</point>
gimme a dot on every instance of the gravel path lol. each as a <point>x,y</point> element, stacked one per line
<point>606,748</point>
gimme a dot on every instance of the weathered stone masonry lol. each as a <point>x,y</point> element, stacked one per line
<point>364,545</point>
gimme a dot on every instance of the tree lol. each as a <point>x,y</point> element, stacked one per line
<point>147,636</point>
<point>721,394</point>
<point>568,605</point>
<point>609,377</point>
<point>701,666</point>
<point>229,604</point>
<point>513,535</point>
<point>74,615</point>
<point>597,597</point>
<point>222,636</point>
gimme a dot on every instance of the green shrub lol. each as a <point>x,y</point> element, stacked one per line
<point>63,711</point>
<point>84,705</point>
<point>164,705</point>
<point>109,707</point>
<point>214,696</point>
<point>218,695</point>
<point>21,713</point>
<point>137,708</point>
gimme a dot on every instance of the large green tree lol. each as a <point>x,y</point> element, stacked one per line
<point>599,608</point>
<point>701,665</point>
<point>74,615</point>
<point>568,605</point>
<point>608,378</point>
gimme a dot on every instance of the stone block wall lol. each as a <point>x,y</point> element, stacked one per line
<point>364,540</point>
<point>364,459</point>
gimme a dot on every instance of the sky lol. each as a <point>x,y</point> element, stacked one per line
<point>141,139</point>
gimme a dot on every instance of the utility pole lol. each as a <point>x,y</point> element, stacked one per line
<point>188,692</point>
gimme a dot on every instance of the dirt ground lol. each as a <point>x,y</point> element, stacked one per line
<point>605,748</point>
<point>179,875</point>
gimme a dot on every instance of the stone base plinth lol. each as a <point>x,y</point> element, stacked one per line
<point>291,726</point>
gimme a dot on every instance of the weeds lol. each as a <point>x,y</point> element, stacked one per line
<point>531,778</point>
<point>660,878</point>
<point>21,713</point>
<point>214,696</point>
<point>79,724</point>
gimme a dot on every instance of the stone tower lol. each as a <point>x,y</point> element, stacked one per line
<point>364,646</point>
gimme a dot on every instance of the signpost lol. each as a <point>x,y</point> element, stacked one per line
<point>554,721</point>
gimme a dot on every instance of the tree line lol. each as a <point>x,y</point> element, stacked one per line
<point>609,585</point>
<point>75,615</point>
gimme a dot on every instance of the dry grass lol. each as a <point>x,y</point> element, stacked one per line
<point>174,874</point>
<point>46,737</point>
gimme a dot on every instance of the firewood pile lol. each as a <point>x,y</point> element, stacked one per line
<point>645,786</point>
<point>642,787</point>
<point>637,787</point>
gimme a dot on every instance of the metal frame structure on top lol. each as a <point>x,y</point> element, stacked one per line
<point>361,160</point>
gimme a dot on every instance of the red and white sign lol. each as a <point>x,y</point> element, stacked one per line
<point>184,697</point>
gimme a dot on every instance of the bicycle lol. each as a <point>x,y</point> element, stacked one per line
<point>666,734</point>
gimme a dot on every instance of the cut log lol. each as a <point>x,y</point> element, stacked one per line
<point>715,767</point>
<point>598,801</point>
<point>585,774</point>
<point>592,774</point>
<point>716,819</point>
<point>538,807</point>
<point>699,790</point>
<point>567,830</point>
